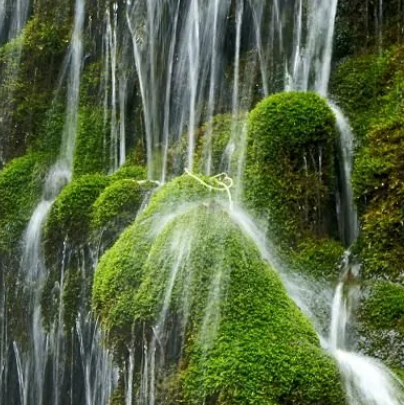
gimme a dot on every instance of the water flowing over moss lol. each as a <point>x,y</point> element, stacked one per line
<point>245,341</point>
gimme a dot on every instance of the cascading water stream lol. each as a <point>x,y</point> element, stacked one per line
<point>367,381</point>
<point>32,363</point>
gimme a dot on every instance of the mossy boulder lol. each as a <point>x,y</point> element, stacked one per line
<point>119,271</point>
<point>378,181</point>
<point>20,190</point>
<point>319,258</point>
<point>246,342</point>
<point>119,203</point>
<point>129,171</point>
<point>71,213</point>
<point>369,88</point>
<point>290,177</point>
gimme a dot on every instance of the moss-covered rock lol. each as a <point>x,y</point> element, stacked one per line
<point>71,213</point>
<point>290,175</point>
<point>20,190</point>
<point>119,203</point>
<point>381,321</point>
<point>379,189</point>
<point>91,153</point>
<point>220,143</point>
<point>26,86</point>
<point>370,88</point>
<point>246,341</point>
<point>119,271</point>
<point>129,171</point>
<point>320,259</point>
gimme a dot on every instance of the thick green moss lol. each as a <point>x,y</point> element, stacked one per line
<point>20,190</point>
<point>378,181</point>
<point>119,203</point>
<point>384,308</point>
<point>381,322</point>
<point>370,88</point>
<point>290,168</point>
<point>91,153</point>
<point>71,213</point>
<point>119,271</point>
<point>247,342</point>
<point>320,259</point>
<point>27,89</point>
<point>129,171</point>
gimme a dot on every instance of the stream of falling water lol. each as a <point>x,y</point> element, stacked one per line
<point>47,349</point>
<point>178,51</point>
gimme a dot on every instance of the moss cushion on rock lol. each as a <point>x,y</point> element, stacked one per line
<point>290,168</point>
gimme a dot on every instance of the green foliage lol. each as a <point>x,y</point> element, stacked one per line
<point>91,152</point>
<point>378,181</point>
<point>20,190</point>
<point>71,213</point>
<point>290,168</point>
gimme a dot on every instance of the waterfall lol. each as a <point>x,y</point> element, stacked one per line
<point>366,380</point>
<point>168,69</point>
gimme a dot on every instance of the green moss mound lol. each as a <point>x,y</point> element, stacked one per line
<point>71,213</point>
<point>320,259</point>
<point>246,341</point>
<point>378,184</point>
<point>128,171</point>
<point>381,322</point>
<point>119,271</point>
<point>20,190</point>
<point>290,168</point>
<point>118,203</point>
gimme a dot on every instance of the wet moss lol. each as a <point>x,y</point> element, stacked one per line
<point>20,190</point>
<point>320,259</point>
<point>290,178</point>
<point>91,153</point>
<point>119,203</point>
<point>378,184</point>
<point>119,271</point>
<point>27,88</point>
<point>218,143</point>
<point>71,213</point>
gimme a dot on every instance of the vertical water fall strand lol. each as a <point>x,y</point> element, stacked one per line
<point>73,91</point>
<point>366,380</point>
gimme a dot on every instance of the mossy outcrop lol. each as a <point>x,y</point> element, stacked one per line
<point>20,190</point>
<point>378,184</point>
<point>245,341</point>
<point>290,177</point>
<point>71,213</point>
